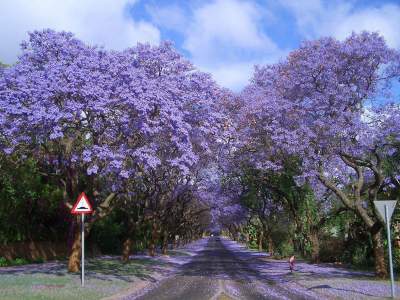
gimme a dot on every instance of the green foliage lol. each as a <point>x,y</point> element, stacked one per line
<point>285,249</point>
<point>282,239</point>
<point>14,262</point>
<point>38,261</point>
<point>358,245</point>
<point>141,236</point>
<point>358,257</point>
<point>19,262</point>
<point>29,203</point>
<point>3,262</point>
<point>252,231</point>
<point>107,234</point>
<point>396,258</point>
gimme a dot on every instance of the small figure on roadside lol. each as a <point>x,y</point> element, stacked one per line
<point>291,263</point>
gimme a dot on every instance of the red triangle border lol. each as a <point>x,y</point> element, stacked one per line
<point>73,210</point>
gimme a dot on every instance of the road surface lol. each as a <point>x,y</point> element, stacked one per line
<point>221,273</point>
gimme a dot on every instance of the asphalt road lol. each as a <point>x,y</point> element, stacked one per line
<point>219,273</point>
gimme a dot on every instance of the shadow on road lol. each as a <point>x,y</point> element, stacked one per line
<point>326,286</point>
<point>218,262</point>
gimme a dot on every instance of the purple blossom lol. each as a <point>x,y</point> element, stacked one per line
<point>86,156</point>
<point>8,150</point>
<point>143,111</point>
<point>124,174</point>
<point>92,170</point>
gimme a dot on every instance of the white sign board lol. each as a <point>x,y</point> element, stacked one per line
<point>380,207</point>
<point>386,209</point>
<point>82,205</point>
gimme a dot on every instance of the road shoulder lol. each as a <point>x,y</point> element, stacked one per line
<point>175,259</point>
<point>321,281</point>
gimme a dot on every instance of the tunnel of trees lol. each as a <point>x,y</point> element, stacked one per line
<point>291,164</point>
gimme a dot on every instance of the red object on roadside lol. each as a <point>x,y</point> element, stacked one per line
<point>291,263</point>
<point>82,206</point>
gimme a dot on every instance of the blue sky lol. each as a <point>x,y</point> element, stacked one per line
<point>223,37</point>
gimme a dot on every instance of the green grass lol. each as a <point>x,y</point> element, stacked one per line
<point>102,278</point>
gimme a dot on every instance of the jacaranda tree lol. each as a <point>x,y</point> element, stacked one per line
<point>96,119</point>
<point>317,105</point>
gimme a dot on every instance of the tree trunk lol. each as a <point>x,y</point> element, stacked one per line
<point>174,243</point>
<point>379,255</point>
<point>271,247</point>
<point>314,246</point>
<point>260,241</point>
<point>165,243</point>
<point>373,226</point>
<point>127,249</point>
<point>74,260</point>
<point>71,233</point>
<point>396,235</point>
<point>153,241</point>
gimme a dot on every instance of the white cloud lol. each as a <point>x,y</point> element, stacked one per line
<point>226,38</point>
<point>101,22</point>
<point>234,76</point>
<point>227,24</point>
<point>223,37</point>
<point>385,20</point>
<point>316,18</point>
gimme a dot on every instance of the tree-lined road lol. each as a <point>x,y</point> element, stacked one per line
<point>219,272</point>
<point>166,155</point>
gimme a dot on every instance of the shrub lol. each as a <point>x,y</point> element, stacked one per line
<point>285,249</point>
<point>3,262</point>
<point>19,262</point>
<point>107,235</point>
<point>39,260</point>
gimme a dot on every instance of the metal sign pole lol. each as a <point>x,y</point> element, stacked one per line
<point>81,207</point>
<point>83,249</point>
<point>390,249</point>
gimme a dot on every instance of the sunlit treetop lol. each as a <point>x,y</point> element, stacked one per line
<point>316,105</point>
<point>106,111</point>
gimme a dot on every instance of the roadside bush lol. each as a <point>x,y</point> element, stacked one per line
<point>282,240</point>
<point>331,250</point>
<point>39,260</point>
<point>253,244</point>
<point>30,204</point>
<point>3,262</point>
<point>285,249</point>
<point>358,257</point>
<point>252,233</point>
<point>19,262</point>
<point>14,262</point>
<point>107,235</point>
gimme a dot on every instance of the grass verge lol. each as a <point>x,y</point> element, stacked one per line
<point>103,277</point>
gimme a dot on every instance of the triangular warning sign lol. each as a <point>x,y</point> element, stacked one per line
<point>380,207</point>
<point>82,205</point>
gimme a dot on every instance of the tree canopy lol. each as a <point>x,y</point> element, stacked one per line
<point>164,151</point>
